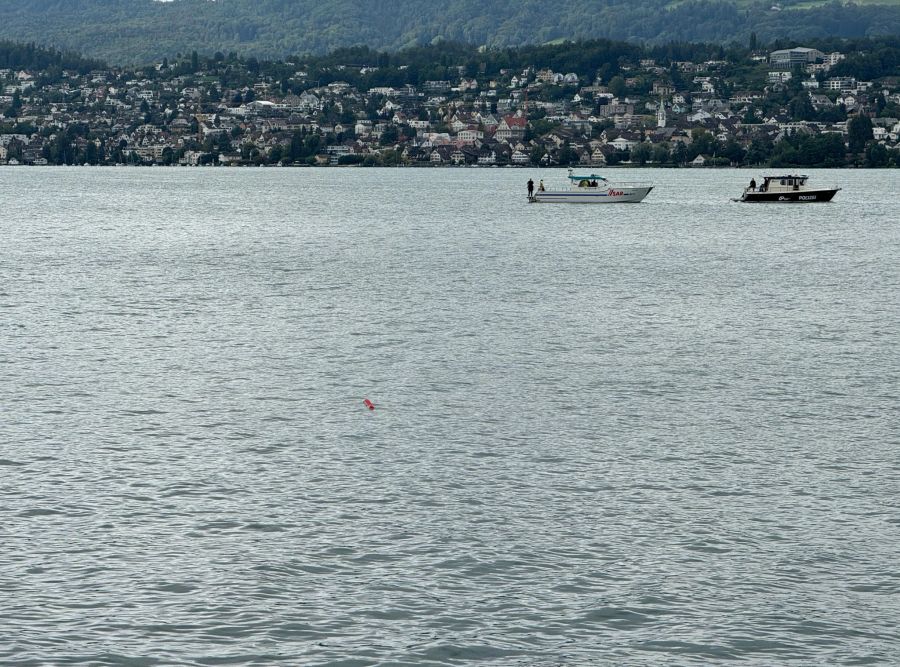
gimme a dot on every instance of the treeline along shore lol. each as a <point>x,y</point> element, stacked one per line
<point>820,103</point>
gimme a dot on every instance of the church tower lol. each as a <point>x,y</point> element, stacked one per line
<point>661,113</point>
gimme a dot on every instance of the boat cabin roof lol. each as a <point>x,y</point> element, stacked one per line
<point>783,178</point>
<point>587,177</point>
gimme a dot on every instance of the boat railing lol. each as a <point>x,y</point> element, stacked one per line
<point>606,185</point>
<point>594,181</point>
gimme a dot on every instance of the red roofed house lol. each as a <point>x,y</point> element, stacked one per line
<point>510,129</point>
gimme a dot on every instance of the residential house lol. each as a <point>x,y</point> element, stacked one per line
<point>520,157</point>
<point>468,136</point>
<point>623,143</point>
<point>820,102</point>
<point>511,129</point>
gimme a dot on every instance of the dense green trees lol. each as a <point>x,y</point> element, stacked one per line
<point>12,111</point>
<point>877,155</point>
<point>15,55</point>
<point>131,31</point>
<point>869,60</point>
<point>859,132</point>
<point>812,150</point>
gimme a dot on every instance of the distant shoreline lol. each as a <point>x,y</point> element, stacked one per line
<point>791,168</point>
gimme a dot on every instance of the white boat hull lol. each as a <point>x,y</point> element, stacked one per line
<point>610,195</point>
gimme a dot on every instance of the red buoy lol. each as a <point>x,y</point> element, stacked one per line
<point>369,404</point>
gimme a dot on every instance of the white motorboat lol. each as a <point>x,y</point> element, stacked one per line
<point>591,189</point>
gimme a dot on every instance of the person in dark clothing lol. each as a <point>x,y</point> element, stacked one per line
<point>530,188</point>
<point>753,184</point>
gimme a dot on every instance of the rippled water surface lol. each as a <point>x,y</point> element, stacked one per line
<point>655,434</point>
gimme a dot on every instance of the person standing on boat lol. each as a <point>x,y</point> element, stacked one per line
<point>753,184</point>
<point>530,188</point>
<point>541,186</point>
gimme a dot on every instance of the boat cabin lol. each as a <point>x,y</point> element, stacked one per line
<point>782,183</point>
<point>587,180</point>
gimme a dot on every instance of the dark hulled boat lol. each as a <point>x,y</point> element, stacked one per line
<point>786,189</point>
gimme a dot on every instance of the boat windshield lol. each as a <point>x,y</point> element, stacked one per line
<point>586,177</point>
<point>789,179</point>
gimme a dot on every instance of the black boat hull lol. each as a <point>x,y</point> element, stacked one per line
<point>799,197</point>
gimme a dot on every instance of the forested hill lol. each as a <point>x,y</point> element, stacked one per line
<point>134,31</point>
<point>35,58</point>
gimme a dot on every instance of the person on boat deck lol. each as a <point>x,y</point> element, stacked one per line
<point>753,184</point>
<point>541,186</point>
<point>593,184</point>
<point>530,188</point>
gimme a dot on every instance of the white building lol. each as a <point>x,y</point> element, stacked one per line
<point>841,83</point>
<point>799,55</point>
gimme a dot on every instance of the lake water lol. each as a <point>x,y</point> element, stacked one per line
<point>654,434</point>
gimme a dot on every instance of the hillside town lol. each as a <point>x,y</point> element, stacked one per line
<point>776,107</point>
